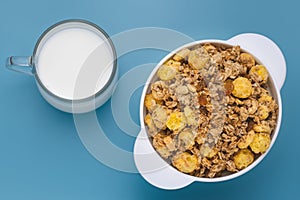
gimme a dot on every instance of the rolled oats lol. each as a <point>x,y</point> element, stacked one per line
<point>246,140</point>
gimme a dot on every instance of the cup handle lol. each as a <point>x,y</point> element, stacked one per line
<point>266,51</point>
<point>22,64</point>
<point>154,169</point>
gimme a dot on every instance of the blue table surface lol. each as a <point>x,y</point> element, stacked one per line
<point>41,154</point>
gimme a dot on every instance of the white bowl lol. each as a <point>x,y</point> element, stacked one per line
<point>162,175</point>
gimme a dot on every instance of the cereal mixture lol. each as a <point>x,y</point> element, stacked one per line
<point>209,113</point>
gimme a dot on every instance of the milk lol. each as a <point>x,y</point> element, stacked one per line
<point>74,63</point>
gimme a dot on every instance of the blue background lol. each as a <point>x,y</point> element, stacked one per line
<point>41,156</point>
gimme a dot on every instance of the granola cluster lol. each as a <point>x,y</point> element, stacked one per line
<point>209,113</point>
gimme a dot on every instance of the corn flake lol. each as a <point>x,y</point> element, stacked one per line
<point>261,72</point>
<point>242,87</point>
<point>176,121</point>
<point>243,158</point>
<point>260,143</point>
<point>185,162</point>
<point>166,73</point>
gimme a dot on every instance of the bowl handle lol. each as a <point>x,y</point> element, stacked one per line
<point>267,52</point>
<point>154,169</point>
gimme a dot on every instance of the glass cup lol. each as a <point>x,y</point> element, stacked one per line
<point>74,64</point>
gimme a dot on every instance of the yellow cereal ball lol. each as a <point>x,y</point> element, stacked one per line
<point>261,71</point>
<point>243,158</point>
<point>166,73</point>
<point>176,121</point>
<point>185,162</point>
<point>247,59</point>
<point>242,87</point>
<point>186,139</point>
<point>263,112</point>
<point>198,58</point>
<point>159,117</point>
<point>150,102</point>
<point>260,143</point>
<point>262,128</point>
<point>179,56</point>
<point>246,140</point>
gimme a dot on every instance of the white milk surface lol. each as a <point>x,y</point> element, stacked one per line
<point>74,63</point>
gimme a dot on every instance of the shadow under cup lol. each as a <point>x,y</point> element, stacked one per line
<point>74,65</point>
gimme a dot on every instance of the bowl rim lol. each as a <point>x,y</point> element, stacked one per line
<point>273,86</point>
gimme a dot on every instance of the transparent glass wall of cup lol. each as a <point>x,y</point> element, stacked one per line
<point>30,65</point>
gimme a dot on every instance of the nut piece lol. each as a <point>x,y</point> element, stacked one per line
<point>179,56</point>
<point>159,117</point>
<point>243,158</point>
<point>185,162</point>
<point>228,87</point>
<point>242,87</point>
<point>246,140</point>
<point>198,58</point>
<point>260,143</point>
<point>166,73</point>
<point>202,99</point>
<point>261,72</point>
<point>247,59</point>
<point>176,121</point>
